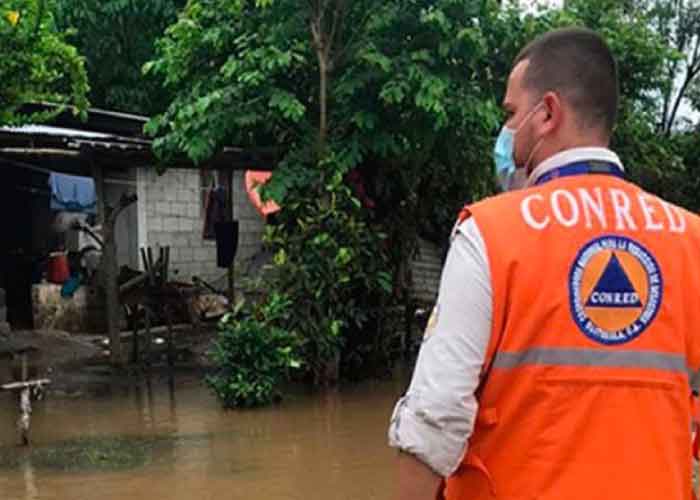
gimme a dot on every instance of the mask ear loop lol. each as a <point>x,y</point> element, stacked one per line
<point>527,168</point>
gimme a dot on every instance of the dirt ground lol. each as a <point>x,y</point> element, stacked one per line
<point>79,364</point>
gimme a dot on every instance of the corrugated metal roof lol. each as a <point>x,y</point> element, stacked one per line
<point>55,131</point>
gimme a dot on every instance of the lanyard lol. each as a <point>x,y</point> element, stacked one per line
<point>585,167</point>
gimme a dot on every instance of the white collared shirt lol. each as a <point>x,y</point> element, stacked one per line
<point>435,418</point>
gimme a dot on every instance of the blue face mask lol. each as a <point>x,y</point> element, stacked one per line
<point>503,156</point>
<point>510,177</point>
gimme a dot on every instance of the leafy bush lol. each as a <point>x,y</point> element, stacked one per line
<point>253,354</point>
<point>334,267</point>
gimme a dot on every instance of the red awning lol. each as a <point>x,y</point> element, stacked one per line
<point>253,180</point>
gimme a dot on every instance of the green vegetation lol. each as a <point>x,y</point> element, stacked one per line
<point>90,454</point>
<point>383,115</point>
<point>254,353</point>
<point>404,95</point>
<point>37,64</point>
<point>117,37</point>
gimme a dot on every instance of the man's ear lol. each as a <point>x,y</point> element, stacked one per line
<point>554,112</point>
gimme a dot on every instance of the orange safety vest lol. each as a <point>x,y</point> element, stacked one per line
<point>585,393</point>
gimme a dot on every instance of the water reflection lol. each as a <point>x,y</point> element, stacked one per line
<point>329,445</point>
<point>30,489</point>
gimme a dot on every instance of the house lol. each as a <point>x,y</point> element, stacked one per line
<point>170,208</point>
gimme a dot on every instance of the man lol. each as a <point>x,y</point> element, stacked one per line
<point>556,364</point>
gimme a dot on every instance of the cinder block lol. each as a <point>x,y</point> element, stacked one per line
<point>181,240</point>
<point>155,223</point>
<point>5,328</point>
<point>193,210</point>
<point>3,314</point>
<point>2,297</point>
<point>152,194</point>
<point>162,208</point>
<point>174,254</point>
<point>200,254</point>
<point>186,254</point>
<point>172,224</point>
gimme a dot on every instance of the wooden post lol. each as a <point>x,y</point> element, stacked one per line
<point>228,174</point>
<point>171,339</point>
<point>25,409</point>
<point>148,335</point>
<point>108,267</point>
<point>25,404</point>
<point>24,389</point>
<point>25,367</point>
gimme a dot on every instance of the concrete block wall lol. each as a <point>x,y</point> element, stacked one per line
<point>171,208</point>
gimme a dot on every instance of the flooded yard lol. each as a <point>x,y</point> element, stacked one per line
<point>169,439</point>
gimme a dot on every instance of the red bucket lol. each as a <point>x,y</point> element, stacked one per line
<point>57,270</point>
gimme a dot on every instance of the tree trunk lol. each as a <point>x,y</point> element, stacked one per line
<point>692,71</point>
<point>109,270</point>
<point>679,98</point>
<point>323,101</point>
<point>110,273</point>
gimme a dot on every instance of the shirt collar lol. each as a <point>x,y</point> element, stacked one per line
<point>574,155</point>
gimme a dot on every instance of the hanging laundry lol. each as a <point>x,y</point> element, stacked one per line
<point>253,180</point>
<point>214,212</point>
<point>71,193</point>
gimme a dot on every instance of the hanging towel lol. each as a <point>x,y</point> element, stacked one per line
<point>71,193</point>
<point>214,212</point>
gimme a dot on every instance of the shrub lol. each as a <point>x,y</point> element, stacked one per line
<point>254,354</point>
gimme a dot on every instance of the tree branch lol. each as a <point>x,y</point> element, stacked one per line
<point>695,60</point>
<point>335,23</point>
<point>679,98</point>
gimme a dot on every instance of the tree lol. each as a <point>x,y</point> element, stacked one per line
<point>336,86</point>
<point>678,21</point>
<point>405,92</point>
<point>37,64</point>
<point>117,37</point>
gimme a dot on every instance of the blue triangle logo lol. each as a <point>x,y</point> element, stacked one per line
<point>614,289</point>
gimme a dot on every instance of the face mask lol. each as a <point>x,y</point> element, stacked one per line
<point>510,177</point>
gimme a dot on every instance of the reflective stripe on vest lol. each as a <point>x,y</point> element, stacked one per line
<point>593,358</point>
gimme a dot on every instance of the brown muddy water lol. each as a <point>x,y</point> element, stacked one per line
<point>169,439</point>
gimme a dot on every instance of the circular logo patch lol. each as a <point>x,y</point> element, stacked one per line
<point>615,289</point>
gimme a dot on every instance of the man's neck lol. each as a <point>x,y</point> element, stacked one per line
<point>573,155</point>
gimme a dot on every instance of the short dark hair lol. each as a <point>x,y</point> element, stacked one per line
<point>578,64</point>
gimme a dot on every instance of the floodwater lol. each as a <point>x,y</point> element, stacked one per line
<point>329,445</point>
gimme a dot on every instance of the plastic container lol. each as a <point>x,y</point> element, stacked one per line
<point>57,269</point>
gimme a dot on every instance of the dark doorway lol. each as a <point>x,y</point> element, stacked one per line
<point>25,234</point>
